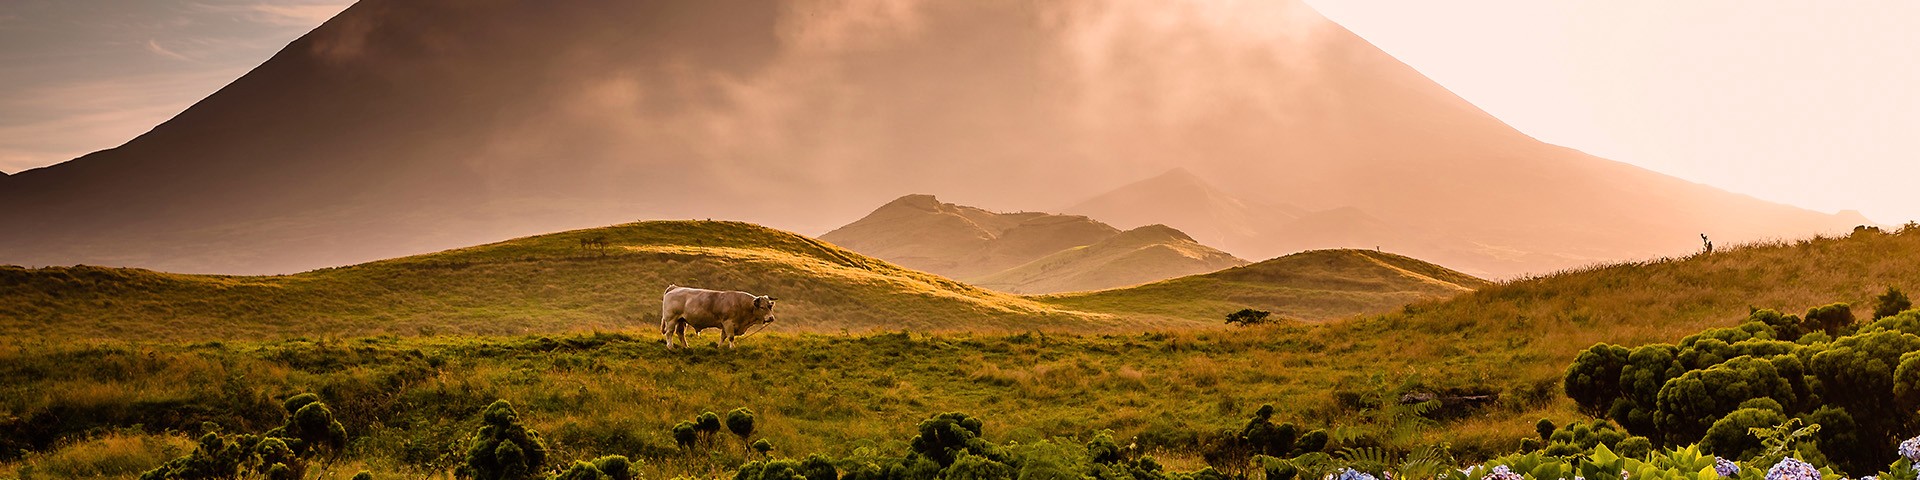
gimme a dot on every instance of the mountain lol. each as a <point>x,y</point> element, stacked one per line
<point>1186,202</point>
<point>541,284</point>
<point>957,241</point>
<point>1141,255</point>
<point>1314,286</point>
<point>404,127</point>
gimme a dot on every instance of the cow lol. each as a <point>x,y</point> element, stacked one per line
<point>731,312</point>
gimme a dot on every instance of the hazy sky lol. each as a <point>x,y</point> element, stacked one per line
<point>1804,102</point>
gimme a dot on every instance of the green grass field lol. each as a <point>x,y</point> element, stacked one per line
<point>409,377</point>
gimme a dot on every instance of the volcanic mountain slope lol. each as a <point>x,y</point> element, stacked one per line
<point>957,241</point>
<point>1146,254</point>
<point>541,284</point>
<point>409,126</point>
<point>1313,286</point>
<point>1182,200</point>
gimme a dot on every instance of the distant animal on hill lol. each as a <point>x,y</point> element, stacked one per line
<point>730,311</point>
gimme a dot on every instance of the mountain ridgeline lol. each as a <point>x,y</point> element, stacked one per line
<point>1024,252</point>
<point>402,127</point>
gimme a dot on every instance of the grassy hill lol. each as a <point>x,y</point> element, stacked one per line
<point>1661,300</point>
<point>613,393</point>
<point>546,283</point>
<point>1132,257</point>
<point>1315,286</point>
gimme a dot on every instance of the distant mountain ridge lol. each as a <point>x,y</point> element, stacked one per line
<point>921,232</point>
<point>1141,255</point>
<point>1023,252</point>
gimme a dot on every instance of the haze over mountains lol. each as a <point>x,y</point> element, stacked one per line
<point>405,127</point>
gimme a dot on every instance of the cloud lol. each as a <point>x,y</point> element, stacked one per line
<point>282,13</point>
<point>154,46</point>
<point>302,15</point>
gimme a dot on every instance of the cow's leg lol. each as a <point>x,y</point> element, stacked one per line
<point>726,333</point>
<point>668,318</point>
<point>668,329</point>
<point>680,330</point>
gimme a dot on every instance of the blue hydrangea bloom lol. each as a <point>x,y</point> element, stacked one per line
<point>1350,474</point>
<point>1726,468</point>
<point>1911,449</point>
<point>1793,469</point>
<point>1502,473</point>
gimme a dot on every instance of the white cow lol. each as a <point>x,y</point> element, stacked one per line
<point>730,311</point>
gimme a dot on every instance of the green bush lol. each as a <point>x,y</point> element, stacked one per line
<point>503,449</point>
<point>281,454</point>
<point>1858,381</point>
<point>740,422</point>
<point>945,436</point>
<point>1248,316</point>
<point>685,435</point>
<point>1891,303</point>
<point>1831,318</point>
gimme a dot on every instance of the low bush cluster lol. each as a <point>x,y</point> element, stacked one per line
<point>1859,382</point>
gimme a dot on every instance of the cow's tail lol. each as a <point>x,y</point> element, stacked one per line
<point>670,287</point>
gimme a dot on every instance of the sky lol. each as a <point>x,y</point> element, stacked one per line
<point>1802,102</point>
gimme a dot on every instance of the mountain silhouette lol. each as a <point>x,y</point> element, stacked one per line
<point>405,127</point>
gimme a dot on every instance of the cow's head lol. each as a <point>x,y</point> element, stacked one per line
<point>763,306</point>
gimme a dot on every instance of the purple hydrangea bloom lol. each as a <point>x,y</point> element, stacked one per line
<point>1502,473</point>
<point>1792,469</point>
<point>1350,474</point>
<point>1726,468</point>
<point>1911,449</point>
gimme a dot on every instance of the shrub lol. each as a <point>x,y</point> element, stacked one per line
<point>740,422</point>
<point>943,437</point>
<point>818,467</point>
<point>282,453</point>
<point>1831,318</point>
<point>1103,450</point>
<point>1891,303</point>
<point>1730,437</point>
<point>968,466</point>
<point>708,423</point>
<point>1248,316</point>
<point>1545,428</point>
<point>685,434</point>
<point>503,449</point>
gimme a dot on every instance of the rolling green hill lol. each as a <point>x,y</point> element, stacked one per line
<point>618,393</point>
<point>1316,285</point>
<point>546,283</point>
<point>1555,316</point>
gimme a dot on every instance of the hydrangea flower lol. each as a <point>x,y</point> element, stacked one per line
<point>1350,474</point>
<point>1792,469</point>
<point>1502,473</point>
<point>1726,468</point>
<point>1911,449</point>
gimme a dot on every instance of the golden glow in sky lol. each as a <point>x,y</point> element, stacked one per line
<point>1811,103</point>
